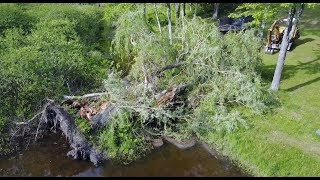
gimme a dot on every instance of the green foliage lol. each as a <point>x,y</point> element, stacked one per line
<point>120,140</point>
<point>228,81</point>
<point>63,54</point>
<point>289,131</point>
<point>259,11</point>
<point>48,50</point>
<point>46,63</point>
<point>84,126</point>
<point>114,10</point>
<point>52,60</point>
<point>267,11</point>
<point>4,138</point>
<point>129,28</point>
<point>13,16</point>
<point>71,111</point>
<point>222,72</point>
<point>87,19</point>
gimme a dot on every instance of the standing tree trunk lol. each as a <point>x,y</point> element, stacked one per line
<point>296,21</point>
<point>190,7</point>
<point>169,22</point>
<point>182,24</point>
<point>263,24</point>
<point>183,9</point>
<point>157,16</point>
<point>283,52</point>
<point>177,10</point>
<point>144,11</point>
<point>195,10</point>
<point>177,13</point>
<point>216,9</point>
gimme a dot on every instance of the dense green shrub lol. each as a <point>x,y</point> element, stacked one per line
<point>4,137</point>
<point>120,139</point>
<point>13,16</point>
<point>45,64</point>
<point>87,19</point>
<point>48,50</point>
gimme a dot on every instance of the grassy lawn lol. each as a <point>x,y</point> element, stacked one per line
<point>285,143</point>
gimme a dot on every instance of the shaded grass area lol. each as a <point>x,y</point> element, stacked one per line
<point>284,142</point>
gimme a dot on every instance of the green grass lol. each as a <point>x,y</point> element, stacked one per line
<point>284,143</point>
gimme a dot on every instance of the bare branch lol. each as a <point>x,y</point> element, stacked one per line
<point>27,122</point>
<point>176,65</point>
<point>92,95</point>
<point>181,56</point>
<point>168,67</point>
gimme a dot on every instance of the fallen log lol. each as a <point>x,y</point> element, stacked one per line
<point>55,116</point>
<point>103,117</point>
<point>170,95</point>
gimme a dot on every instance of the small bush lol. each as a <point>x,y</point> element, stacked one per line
<point>119,139</point>
<point>13,16</point>
<point>4,137</point>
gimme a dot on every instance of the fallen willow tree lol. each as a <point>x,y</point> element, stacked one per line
<point>202,83</point>
<point>222,75</point>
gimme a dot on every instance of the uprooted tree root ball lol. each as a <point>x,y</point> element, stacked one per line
<point>56,117</point>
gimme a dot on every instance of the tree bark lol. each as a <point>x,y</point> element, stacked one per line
<point>183,13</point>
<point>92,95</point>
<point>81,148</point>
<point>157,16</point>
<point>282,54</point>
<point>216,9</point>
<point>177,10</point>
<point>144,11</point>
<point>296,21</point>
<point>183,9</point>
<point>263,24</point>
<point>169,22</point>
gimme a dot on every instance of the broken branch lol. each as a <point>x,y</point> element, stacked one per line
<point>27,122</point>
<point>92,95</point>
<point>181,55</point>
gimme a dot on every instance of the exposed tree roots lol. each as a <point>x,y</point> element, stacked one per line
<point>55,117</point>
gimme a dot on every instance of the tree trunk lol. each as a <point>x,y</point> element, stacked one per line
<point>183,9</point>
<point>283,52</point>
<point>144,11</point>
<point>263,23</point>
<point>177,10</point>
<point>177,13</point>
<point>195,10</point>
<point>183,13</point>
<point>296,21</point>
<point>57,117</point>
<point>169,22</point>
<point>216,9</point>
<point>190,7</point>
<point>157,16</point>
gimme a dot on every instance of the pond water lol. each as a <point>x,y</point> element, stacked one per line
<point>48,158</point>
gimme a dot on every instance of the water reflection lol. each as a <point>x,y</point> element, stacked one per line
<point>48,158</point>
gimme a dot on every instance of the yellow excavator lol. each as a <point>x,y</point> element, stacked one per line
<point>275,35</point>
